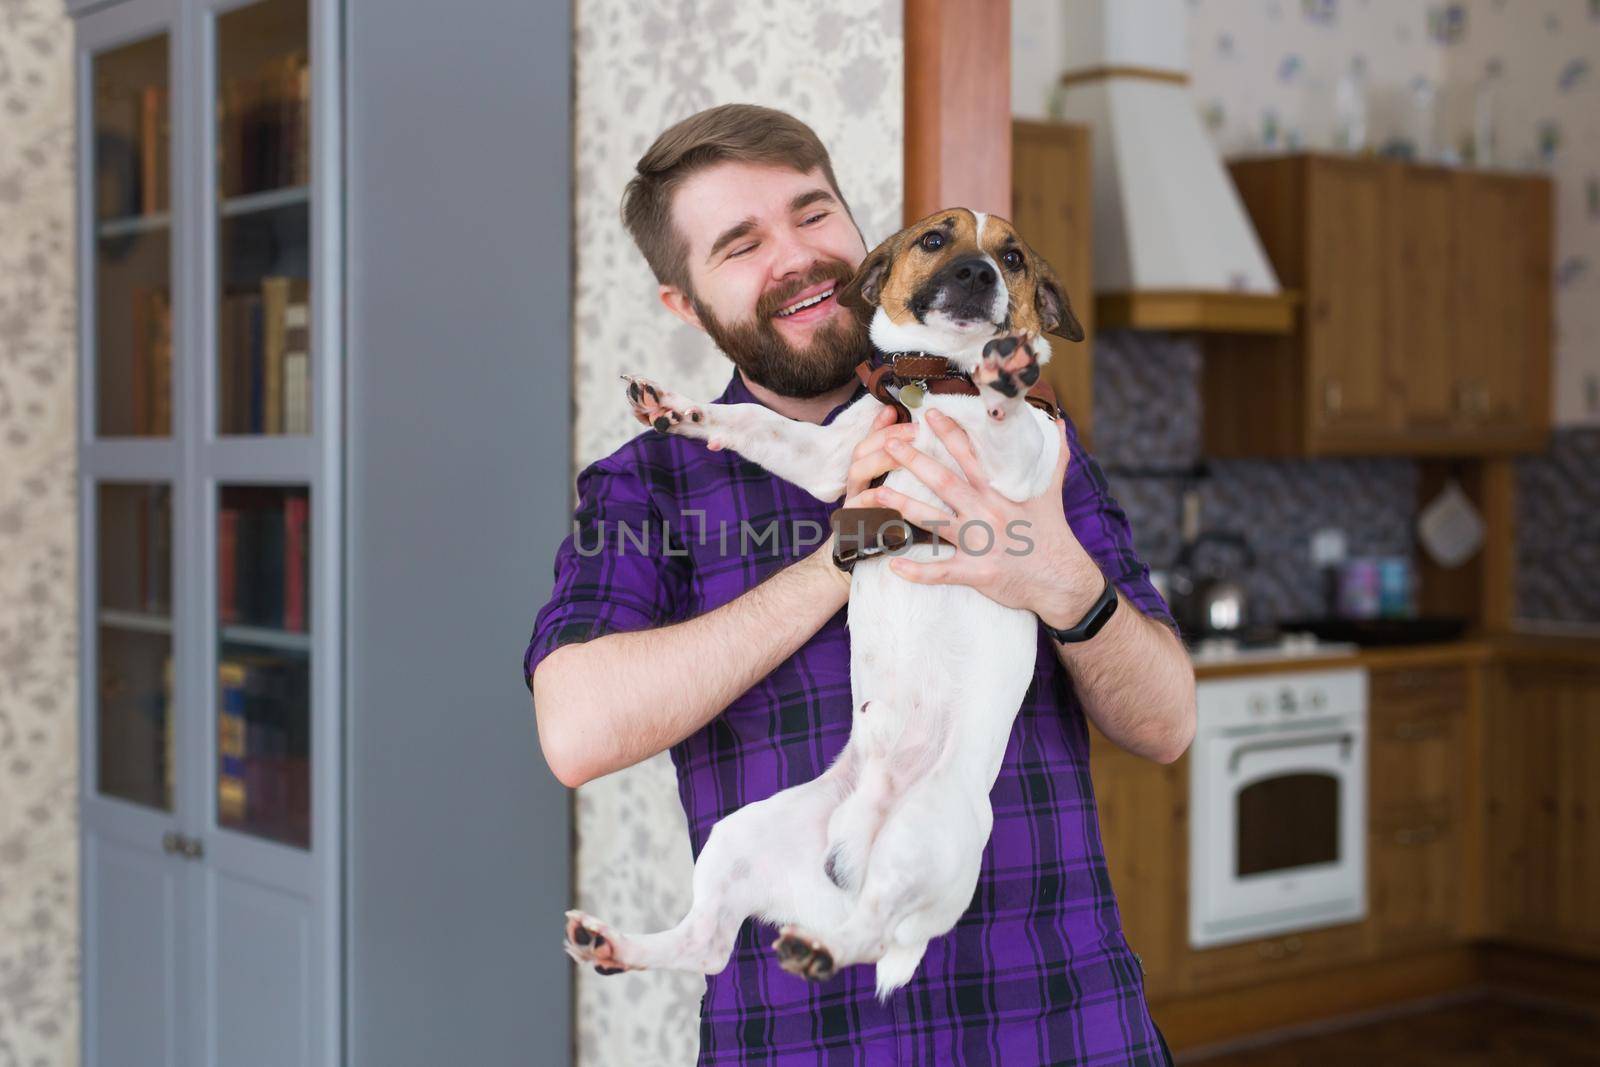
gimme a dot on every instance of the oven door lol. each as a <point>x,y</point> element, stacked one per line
<point>1277,839</point>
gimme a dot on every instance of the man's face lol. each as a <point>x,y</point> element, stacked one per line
<point>762,240</point>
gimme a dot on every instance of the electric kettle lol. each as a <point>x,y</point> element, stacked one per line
<point>1207,601</point>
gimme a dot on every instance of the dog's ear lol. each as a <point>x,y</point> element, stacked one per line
<point>1050,301</point>
<point>863,292</point>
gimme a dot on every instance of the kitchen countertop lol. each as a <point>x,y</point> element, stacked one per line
<point>1563,645</point>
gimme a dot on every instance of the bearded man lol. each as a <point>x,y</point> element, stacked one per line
<point>738,660</point>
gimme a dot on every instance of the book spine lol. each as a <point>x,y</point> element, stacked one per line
<point>227,566</point>
<point>294,564</point>
<point>255,364</point>
<point>232,743</point>
<point>141,335</point>
<point>275,301</point>
<point>161,356</point>
<point>149,148</point>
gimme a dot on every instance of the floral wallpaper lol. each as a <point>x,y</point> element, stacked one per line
<point>38,543</point>
<point>640,67</point>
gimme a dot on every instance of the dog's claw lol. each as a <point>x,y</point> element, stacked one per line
<point>662,411</point>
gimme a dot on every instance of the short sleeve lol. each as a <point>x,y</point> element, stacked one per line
<point>604,581</point>
<point>1102,528</point>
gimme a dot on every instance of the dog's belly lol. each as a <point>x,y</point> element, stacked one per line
<point>948,663</point>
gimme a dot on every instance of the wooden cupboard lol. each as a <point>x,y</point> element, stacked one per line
<point>1426,317</point>
<point>1052,208</point>
<point>1543,807</point>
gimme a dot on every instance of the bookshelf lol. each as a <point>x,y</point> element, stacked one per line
<point>210,512</point>
<point>315,824</point>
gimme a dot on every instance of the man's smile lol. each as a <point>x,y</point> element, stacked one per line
<point>815,303</point>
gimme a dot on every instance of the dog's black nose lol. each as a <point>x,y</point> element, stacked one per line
<point>975,274</point>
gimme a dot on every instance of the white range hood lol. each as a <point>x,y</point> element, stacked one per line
<point>1173,246</point>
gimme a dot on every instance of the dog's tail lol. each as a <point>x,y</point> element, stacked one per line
<point>897,966</point>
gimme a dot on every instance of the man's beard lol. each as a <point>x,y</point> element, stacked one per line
<point>758,349</point>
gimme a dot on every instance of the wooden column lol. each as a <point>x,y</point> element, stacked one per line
<point>958,106</point>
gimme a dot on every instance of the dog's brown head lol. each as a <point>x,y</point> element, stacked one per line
<point>961,271</point>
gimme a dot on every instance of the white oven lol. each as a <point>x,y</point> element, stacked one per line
<point>1277,804</point>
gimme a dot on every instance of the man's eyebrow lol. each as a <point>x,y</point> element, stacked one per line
<point>730,235</point>
<point>738,230</point>
<point>808,198</point>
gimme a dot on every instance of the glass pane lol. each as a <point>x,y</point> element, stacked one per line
<point>133,245</point>
<point>264,220</point>
<point>1288,821</point>
<point>264,662</point>
<point>134,677</point>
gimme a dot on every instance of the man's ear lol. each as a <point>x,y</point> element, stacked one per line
<point>1050,301</point>
<point>863,292</point>
<point>677,301</point>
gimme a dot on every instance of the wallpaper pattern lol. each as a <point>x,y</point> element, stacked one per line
<point>38,543</point>
<point>641,66</point>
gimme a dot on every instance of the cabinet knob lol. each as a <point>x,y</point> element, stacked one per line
<point>193,848</point>
<point>171,842</point>
<point>1332,397</point>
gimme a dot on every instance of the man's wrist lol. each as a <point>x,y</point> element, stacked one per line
<point>822,560</point>
<point>1064,603</point>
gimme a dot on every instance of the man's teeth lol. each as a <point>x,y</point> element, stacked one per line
<point>807,302</point>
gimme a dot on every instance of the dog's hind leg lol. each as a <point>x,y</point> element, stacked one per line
<point>764,859</point>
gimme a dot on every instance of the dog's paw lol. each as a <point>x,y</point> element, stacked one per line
<point>667,412</point>
<point>1009,367</point>
<point>590,941</point>
<point>803,955</point>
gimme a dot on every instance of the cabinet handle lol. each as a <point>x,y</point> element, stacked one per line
<point>193,848</point>
<point>1419,835</point>
<point>1332,397</point>
<point>1292,945</point>
<point>1417,731</point>
<point>171,842</point>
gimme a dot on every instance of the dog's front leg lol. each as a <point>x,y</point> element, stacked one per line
<point>814,457</point>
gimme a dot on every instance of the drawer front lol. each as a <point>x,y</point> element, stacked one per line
<point>1416,758</point>
<point>1418,689</point>
<point>1269,958</point>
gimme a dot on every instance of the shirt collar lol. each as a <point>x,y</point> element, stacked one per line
<point>739,393</point>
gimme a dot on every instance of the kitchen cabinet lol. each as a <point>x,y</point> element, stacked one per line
<point>1426,318</point>
<point>1543,806</point>
<point>1417,722</point>
<point>1052,208</point>
<point>1142,806</point>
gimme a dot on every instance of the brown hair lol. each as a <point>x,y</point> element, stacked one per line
<point>744,132</point>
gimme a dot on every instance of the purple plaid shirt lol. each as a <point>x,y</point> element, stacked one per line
<point>1038,970</point>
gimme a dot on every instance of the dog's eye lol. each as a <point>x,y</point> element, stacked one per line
<point>932,241</point>
<point>1012,259</point>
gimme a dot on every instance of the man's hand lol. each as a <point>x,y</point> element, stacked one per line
<point>870,458</point>
<point>1020,555</point>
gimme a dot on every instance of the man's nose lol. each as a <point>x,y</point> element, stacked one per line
<point>793,256</point>
<point>974,274</point>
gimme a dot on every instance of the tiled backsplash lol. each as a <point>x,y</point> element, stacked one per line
<point>1558,529</point>
<point>1147,415</point>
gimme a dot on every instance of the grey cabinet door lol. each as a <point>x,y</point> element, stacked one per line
<point>136,796</point>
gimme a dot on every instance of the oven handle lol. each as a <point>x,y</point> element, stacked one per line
<point>1345,741</point>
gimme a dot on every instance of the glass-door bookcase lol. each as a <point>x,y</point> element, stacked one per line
<point>209,271</point>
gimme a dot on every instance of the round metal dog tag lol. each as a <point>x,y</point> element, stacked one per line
<point>911,395</point>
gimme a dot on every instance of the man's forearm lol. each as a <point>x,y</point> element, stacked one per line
<point>1136,683</point>
<point>611,702</point>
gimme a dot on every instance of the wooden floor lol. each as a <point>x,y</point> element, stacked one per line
<point>1472,1033</point>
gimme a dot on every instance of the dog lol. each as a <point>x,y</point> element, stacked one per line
<point>881,852</point>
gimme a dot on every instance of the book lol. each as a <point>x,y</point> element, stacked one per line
<point>274,305</point>
<point>227,566</point>
<point>295,514</point>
